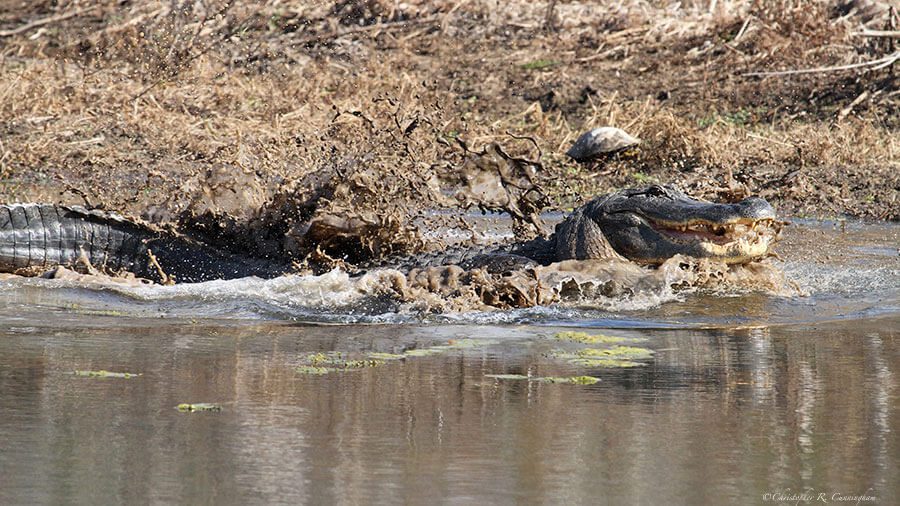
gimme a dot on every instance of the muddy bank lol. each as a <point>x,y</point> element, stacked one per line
<point>339,132</point>
<point>123,103</point>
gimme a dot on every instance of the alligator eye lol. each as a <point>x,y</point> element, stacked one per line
<point>656,191</point>
<point>659,191</point>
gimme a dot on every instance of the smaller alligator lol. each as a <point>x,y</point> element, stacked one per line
<point>646,225</point>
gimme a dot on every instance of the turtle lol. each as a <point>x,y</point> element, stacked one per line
<point>600,141</point>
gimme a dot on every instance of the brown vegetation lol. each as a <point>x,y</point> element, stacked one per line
<point>364,112</point>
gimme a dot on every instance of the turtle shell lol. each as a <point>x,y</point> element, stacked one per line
<point>598,141</point>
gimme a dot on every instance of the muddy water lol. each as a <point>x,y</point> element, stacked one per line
<point>746,397</point>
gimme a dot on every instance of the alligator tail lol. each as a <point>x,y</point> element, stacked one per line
<point>36,237</point>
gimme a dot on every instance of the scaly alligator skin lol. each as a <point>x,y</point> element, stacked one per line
<point>643,225</point>
<point>647,225</point>
<point>650,225</point>
<point>37,236</point>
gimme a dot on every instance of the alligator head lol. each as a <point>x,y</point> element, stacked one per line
<point>650,225</point>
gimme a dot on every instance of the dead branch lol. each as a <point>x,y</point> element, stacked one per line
<point>524,138</point>
<point>550,16</point>
<point>869,65</point>
<point>847,110</point>
<point>370,28</point>
<point>46,21</point>
<point>760,137</point>
<point>890,34</point>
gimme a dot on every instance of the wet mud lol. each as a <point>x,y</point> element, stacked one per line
<point>342,223</point>
<point>322,135</point>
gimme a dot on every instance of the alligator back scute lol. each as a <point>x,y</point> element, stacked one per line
<point>21,236</point>
<point>7,243</point>
<point>75,234</point>
<point>48,235</point>
<point>7,239</point>
<point>52,234</point>
<point>33,220</point>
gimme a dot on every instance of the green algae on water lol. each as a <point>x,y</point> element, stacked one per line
<point>507,376</point>
<point>104,374</point>
<point>609,363</point>
<point>202,406</point>
<point>617,352</point>
<point>319,359</point>
<point>361,363</point>
<point>461,344</point>
<point>573,380</point>
<point>337,360</point>
<point>617,356</point>
<point>350,365</point>
<point>422,352</point>
<point>317,364</point>
<point>585,338</point>
<point>385,356</point>
<point>464,344</point>
<point>314,370</point>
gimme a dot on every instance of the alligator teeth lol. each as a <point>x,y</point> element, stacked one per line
<point>743,239</point>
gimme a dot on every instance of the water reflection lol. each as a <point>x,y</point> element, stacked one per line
<point>722,415</point>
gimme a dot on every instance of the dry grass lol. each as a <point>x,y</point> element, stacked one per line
<point>134,105</point>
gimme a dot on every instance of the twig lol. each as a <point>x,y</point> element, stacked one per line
<point>891,34</point>
<point>873,65</point>
<point>594,56</point>
<point>847,110</point>
<point>743,29</point>
<point>550,16</point>
<point>95,140</point>
<point>378,26</point>
<point>358,114</point>
<point>165,279</point>
<point>760,137</point>
<point>46,21</point>
<point>525,137</point>
<point>738,51</point>
<point>77,191</point>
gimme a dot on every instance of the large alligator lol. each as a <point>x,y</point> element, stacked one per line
<point>647,226</point>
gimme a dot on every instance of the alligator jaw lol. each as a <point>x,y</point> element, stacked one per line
<point>739,240</point>
<point>650,225</point>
